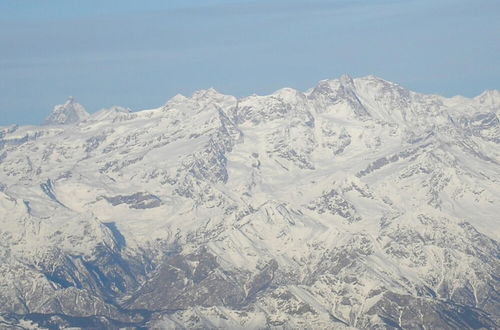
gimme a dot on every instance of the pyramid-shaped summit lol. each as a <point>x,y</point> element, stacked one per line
<point>68,113</point>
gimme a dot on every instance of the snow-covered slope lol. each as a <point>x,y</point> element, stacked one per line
<point>356,204</point>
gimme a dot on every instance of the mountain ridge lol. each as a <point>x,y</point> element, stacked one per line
<point>355,204</point>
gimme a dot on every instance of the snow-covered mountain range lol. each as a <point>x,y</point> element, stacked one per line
<point>355,204</point>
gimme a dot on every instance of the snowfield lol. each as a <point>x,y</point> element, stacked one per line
<point>356,204</point>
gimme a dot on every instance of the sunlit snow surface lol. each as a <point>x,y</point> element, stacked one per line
<point>355,204</point>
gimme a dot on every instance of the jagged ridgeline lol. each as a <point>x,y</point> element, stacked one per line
<point>355,204</point>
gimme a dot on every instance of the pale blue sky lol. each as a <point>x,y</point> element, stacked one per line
<point>140,53</point>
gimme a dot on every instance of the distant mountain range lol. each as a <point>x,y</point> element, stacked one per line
<point>355,204</point>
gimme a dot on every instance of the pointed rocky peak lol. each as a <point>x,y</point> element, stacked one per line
<point>68,113</point>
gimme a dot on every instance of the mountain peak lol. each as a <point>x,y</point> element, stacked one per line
<point>489,96</point>
<point>346,79</point>
<point>204,93</point>
<point>111,113</point>
<point>288,94</point>
<point>292,207</point>
<point>68,113</point>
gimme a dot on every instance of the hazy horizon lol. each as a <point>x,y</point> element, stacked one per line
<point>138,55</point>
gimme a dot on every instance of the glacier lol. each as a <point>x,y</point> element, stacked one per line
<point>357,204</point>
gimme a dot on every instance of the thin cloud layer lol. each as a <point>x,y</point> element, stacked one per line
<point>120,52</point>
